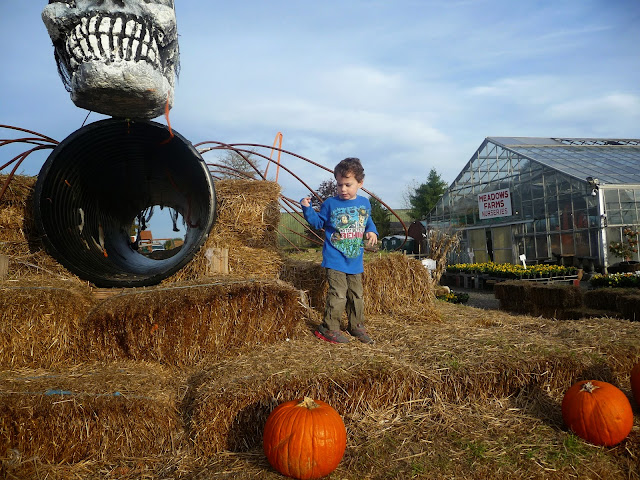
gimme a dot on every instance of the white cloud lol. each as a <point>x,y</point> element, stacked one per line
<point>618,107</point>
<point>405,85</point>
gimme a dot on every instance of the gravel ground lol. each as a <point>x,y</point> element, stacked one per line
<point>479,298</point>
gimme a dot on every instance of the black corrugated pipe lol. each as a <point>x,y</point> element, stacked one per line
<point>95,183</point>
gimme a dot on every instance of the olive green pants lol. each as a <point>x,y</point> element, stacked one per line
<point>345,294</point>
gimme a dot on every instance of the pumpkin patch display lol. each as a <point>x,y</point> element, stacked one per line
<point>635,382</point>
<point>304,439</point>
<point>597,412</point>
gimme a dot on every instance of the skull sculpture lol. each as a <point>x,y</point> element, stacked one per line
<point>116,57</point>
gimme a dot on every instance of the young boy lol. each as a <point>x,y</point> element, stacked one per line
<point>346,220</point>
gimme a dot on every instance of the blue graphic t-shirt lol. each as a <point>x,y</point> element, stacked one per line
<point>345,223</point>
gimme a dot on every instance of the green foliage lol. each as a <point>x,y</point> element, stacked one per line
<point>615,280</point>
<point>508,270</point>
<point>381,217</point>
<point>426,196</point>
<point>454,297</point>
<point>171,243</point>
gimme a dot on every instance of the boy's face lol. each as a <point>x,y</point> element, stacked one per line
<point>347,186</point>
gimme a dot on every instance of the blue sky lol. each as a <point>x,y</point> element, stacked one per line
<point>406,85</point>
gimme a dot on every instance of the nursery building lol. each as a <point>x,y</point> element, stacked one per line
<point>544,200</point>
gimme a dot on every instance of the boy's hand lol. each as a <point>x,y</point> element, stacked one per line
<point>305,202</point>
<point>372,239</point>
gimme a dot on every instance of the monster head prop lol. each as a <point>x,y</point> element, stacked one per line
<point>116,57</point>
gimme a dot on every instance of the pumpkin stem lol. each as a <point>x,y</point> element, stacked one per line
<point>589,387</point>
<point>308,403</point>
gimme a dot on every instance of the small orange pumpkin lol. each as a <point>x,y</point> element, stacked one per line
<point>597,412</point>
<point>304,439</point>
<point>635,382</point>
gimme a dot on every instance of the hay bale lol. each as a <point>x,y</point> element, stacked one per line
<point>554,296</point>
<point>248,213</point>
<point>394,284</point>
<point>629,306</point>
<point>584,312</point>
<point>309,277</point>
<point>399,285</point>
<point>607,298</point>
<point>513,295</point>
<point>90,412</point>
<point>16,219</point>
<point>41,324</point>
<point>19,239</point>
<point>548,300</point>
<point>189,323</point>
<point>228,412</point>
<point>249,210</point>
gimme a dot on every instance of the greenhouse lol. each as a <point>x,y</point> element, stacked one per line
<point>545,200</point>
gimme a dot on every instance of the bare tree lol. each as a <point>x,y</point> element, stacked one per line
<point>327,189</point>
<point>234,164</point>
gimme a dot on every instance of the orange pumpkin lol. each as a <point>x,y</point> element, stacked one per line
<point>597,412</point>
<point>635,382</point>
<point>304,439</point>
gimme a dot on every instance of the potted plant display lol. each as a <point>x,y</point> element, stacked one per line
<point>625,249</point>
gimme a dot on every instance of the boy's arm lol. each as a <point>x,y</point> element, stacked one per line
<point>310,215</point>
<point>371,232</point>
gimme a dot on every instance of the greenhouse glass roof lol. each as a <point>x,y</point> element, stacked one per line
<point>611,161</point>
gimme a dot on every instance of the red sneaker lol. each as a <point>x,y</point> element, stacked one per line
<point>361,334</point>
<point>331,336</point>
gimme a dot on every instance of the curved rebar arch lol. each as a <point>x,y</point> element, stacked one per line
<point>41,142</point>
<point>288,205</point>
<point>244,150</point>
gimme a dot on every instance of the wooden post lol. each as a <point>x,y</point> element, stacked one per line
<point>4,267</point>
<point>218,260</point>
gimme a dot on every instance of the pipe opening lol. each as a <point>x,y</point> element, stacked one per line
<point>95,184</point>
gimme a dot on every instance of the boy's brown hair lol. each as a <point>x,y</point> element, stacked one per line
<point>350,165</point>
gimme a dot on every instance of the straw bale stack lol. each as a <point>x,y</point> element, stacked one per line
<point>393,284</point>
<point>41,324</point>
<point>248,213</point>
<point>91,411</point>
<point>630,306</point>
<point>556,296</point>
<point>431,372</point>
<point>624,302</point>
<point>247,218</point>
<point>409,368</point>
<point>18,237</point>
<point>606,298</point>
<point>549,300</point>
<point>15,215</point>
<point>187,324</point>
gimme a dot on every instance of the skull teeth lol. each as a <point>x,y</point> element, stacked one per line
<point>112,39</point>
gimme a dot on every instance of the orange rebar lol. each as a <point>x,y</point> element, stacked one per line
<point>278,140</point>
<point>166,115</point>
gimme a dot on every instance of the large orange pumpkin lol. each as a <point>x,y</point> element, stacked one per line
<point>635,382</point>
<point>598,412</point>
<point>304,439</point>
